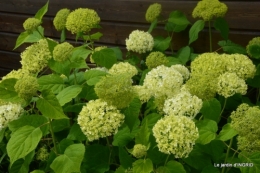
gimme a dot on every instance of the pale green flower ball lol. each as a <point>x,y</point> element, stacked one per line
<point>182,70</point>
<point>249,146</point>
<point>60,19</point>
<point>123,67</point>
<point>153,12</point>
<point>36,57</point>
<point>175,135</point>
<point>8,113</point>
<point>230,84</point>
<point>183,104</point>
<point>62,52</point>
<point>26,87</point>
<point>142,92</point>
<point>31,24</point>
<point>253,47</point>
<point>42,154</point>
<point>96,50</point>
<point>155,59</point>
<point>98,119</point>
<point>139,151</point>
<point>116,90</point>
<point>82,20</point>
<point>17,74</point>
<point>139,42</point>
<point>209,9</point>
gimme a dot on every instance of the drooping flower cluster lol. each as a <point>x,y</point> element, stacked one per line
<point>60,19</point>
<point>153,12</point>
<point>82,20</point>
<point>253,47</point>
<point>17,74</point>
<point>31,24</point>
<point>62,52</point>
<point>96,50</point>
<point>155,59</point>
<point>246,120</point>
<point>36,57</point>
<point>209,9</point>
<point>42,154</point>
<point>123,67</point>
<point>175,135</point>
<point>139,151</point>
<point>99,119</point>
<point>139,42</point>
<point>8,113</point>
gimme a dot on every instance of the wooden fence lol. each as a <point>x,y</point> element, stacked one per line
<point>118,19</point>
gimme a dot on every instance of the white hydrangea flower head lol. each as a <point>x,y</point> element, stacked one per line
<point>142,92</point>
<point>175,135</point>
<point>182,70</point>
<point>98,119</point>
<point>17,74</point>
<point>139,151</point>
<point>123,67</point>
<point>183,104</point>
<point>8,113</point>
<point>139,42</point>
<point>230,84</point>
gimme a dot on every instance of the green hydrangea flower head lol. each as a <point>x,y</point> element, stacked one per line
<point>62,52</point>
<point>155,59</point>
<point>17,74</point>
<point>9,112</point>
<point>42,154</point>
<point>175,135</point>
<point>249,146</point>
<point>182,70</point>
<point>31,24</point>
<point>116,90</point>
<point>123,67</point>
<point>230,84</point>
<point>26,87</point>
<point>139,151</point>
<point>60,19</point>
<point>253,48</point>
<point>98,119</point>
<point>36,57</point>
<point>153,12</point>
<point>139,42</point>
<point>142,92</point>
<point>96,50</point>
<point>82,20</point>
<point>209,9</point>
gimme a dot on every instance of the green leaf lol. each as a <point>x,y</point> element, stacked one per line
<point>230,47</point>
<point>221,25</point>
<point>152,26</point>
<point>67,94</point>
<point>118,52</point>
<point>95,36</point>
<point>105,57</point>
<point>211,169</point>
<point>7,91</point>
<point>125,158</point>
<point>151,119</point>
<point>178,18</point>
<point>122,137</point>
<point>195,29</point>
<point>93,76</point>
<point>255,82</point>
<point>2,134</point>
<point>132,112</point>
<point>22,165</point>
<point>215,149</point>
<point>161,43</point>
<point>37,171</point>
<point>142,137</point>
<point>254,50</point>
<point>78,57</point>
<point>171,27</point>
<point>49,105</point>
<point>60,124</point>
<point>173,61</point>
<point>253,160</point>
<point>184,54</point>
<point>207,131</point>
<point>51,82</point>
<point>226,133</point>
<point>171,167</point>
<point>40,13</point>
<point>51,44</point>
<point>22,142</point>
<point>211,109</point>
<point>60,68</point>
<point>143,166</point>
<point>70,161</point>
<point>76,133</point>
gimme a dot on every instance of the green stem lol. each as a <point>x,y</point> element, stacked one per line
<point>224,105</point>
<point>110,153</point>
<point>53,138</point>
<point>3,156</point>
<point>228,149</point>
<point>166,159</point>
<point>210,37</point>
<point>74,73</point>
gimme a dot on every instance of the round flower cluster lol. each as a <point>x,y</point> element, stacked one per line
<point>17,74</point>
<point>82,20</point>
<point>123,67</point>
<point>209,9</point>
<point>140,42</point>
<point>26,87</point>
<point>142,93</point>
<point>153,12</point>
<point>36,57</point>
<point>183,104</point>
<point>31,24</point>
<point>60,19</point>
<point>116,90</point>
<point>230,84</point>
<point>175,135</point>
<point>96,50</point>
<point>8,113</point>
<point>182,70</point>
<point>155,59</point>
<point>98,119</point>
<point>104,69</point>
<point>42,154</point>
<point>62,52</point>
<point>253,47</point>
<point>139,151</point>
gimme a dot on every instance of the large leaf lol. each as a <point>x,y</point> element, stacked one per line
<point>7,91</point>
<point>143,166</point>
<point>226,133</point>
<point>221,25</point>
<point>51,82</point>
<point>152,26</point>
<point>215,149</point>
<point>105,57</point>
<point>40,13</point>
<point>93,76</point>
<point>161,43</point>
<point>122,137</point>
<point>22,165</point>
<point>184,54</point>
<point>70,161</point>
<point>76,133</point>
<point>78,57</point>
<point>125,158</point>
<point>60,68</point>
<point>207,131</point>
<point>211,109</point>
<point>142,137</point>
<point>195,29</point>
<point>67,94</point>
<point>49,105</point>
<point>178,18</point>
<point>22,142</point>
<point>252,161</point>
<point>230,47</point>
<point>171,167</point>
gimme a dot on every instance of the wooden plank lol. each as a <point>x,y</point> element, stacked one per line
<point>9,60</point>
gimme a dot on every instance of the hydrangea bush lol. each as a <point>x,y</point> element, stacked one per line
<point>149,110</point>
